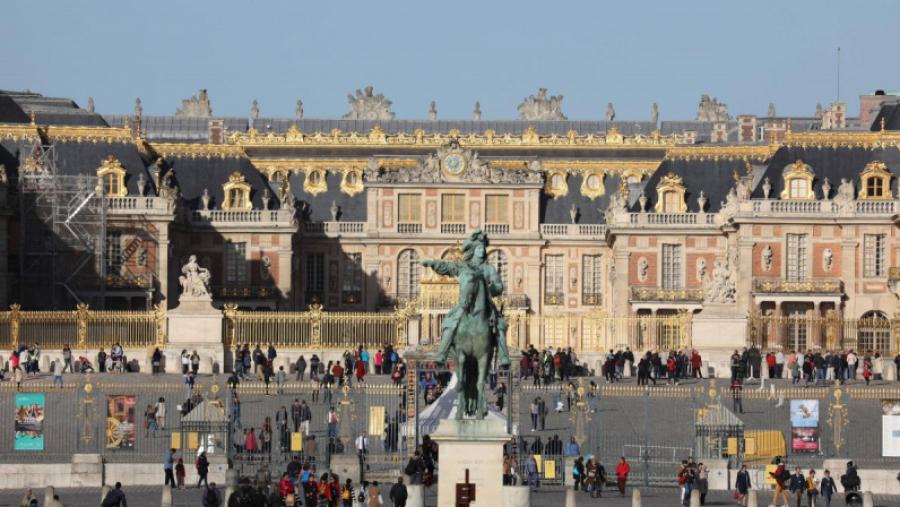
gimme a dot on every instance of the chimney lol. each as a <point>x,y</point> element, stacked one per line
<point>690,136</point>
<point>835,117</point>
<point>216,132</point>
<point>747,128</point>
<point>719,132</point>
<point>774,130</point>
<point>869,106</point>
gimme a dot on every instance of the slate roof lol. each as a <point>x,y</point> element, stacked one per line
<point>180,129</point>
<point>830,163</point>
<point>73,158</point>
<point>556,211</point>
<point>352,209</point>
<point>464,126</point>
<point>891,114</point>
<point>192,175</point>
<point>714,177</point>
<point>16,107</point>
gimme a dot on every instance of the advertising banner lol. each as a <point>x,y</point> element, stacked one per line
<point>29,422</point>
<point>805,426</point>
<point>120,429</point>
<point>890,428</point>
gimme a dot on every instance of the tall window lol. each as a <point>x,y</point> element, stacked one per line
<point>113,252</point>
<point>553,279</point>
<point>351,289</point>
<point>591,280</point>
<point>671,202</point>
<point>798,188</point>
<point>874,332</point>
<point>873,262</point>
<point>113,184</point>
<point>497,258</point>
<point>236,198</point>
<point>409,208</point>
<point>671,267</point>
<point>453,208</point>
<point>796,258</point>
<point>315,278</point>
<point>409,273</point>
<point>875,187</point>
<point>236,263</point>
<point>496,209</point>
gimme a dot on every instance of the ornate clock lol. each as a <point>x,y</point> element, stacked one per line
<point>454,164</point>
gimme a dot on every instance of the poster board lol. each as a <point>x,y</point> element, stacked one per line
<point>120,415</point>
<point>29,422</point>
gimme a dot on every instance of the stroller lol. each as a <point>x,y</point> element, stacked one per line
<point>84,365</point>
<point>852,484</point>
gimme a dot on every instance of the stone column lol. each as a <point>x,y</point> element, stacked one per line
<point>162,264</point>
<point>285,272</point>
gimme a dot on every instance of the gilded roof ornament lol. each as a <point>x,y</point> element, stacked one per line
<point>366,105</point>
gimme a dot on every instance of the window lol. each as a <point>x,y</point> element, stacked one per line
<point>497,258</point>
<point>671,202</point>
<point>409,273</point>
<point>236,263</point>
<point>553,279</point>
<point>409,208</point>
<point>315,278</point>
<point>111,175</point>
<point>113,252</point>
<point>671,267</point>
<point>873,261</point>
<point>453,208</point>
<point>798,188</point>
<point>796,257</point>
<point>236,198</point>
<point>876,181</point>
<point>875,187</point>
<point>496,209</point>
<point>111,185</point>
<point>591,280</point>
<point>237,192</point>
<point>351,290</point>
<point>874,333</point>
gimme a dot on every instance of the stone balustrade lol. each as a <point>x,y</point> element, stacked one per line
<point>334,229</point>
<point>138,204</point>
<point>573,231</point>
<point>763,207</point>
<point>669,219</point>
<point>225,218</point>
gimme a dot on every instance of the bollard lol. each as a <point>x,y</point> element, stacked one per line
<point>868,501</point>
<point>570,497</point>
<point>48,495</point>
<point>751,498</point>
<point>416,495</point>
<point>166,500</point>
<point>695,498</point>
<point>103,492</point>
<point>516,496</point>
<point>635,498</point>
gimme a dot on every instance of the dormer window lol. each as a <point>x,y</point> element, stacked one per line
<point>315,182</point>
<point>112,177</point>
<point>556,185</point>
<point>670,195</point>
<point>237,193</point>
<point>876,182</point>
<point>798,182</point>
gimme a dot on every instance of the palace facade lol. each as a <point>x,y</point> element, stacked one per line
<point>717,232</point>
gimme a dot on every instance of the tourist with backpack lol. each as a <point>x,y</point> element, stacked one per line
<point>782,477</point>
<point>246,495</point>
<point>115,497</point>
<point>202,465</point>
<point>211,496</point>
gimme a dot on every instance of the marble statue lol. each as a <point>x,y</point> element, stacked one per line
<point>642,201</point>
<point>90,105</point>
<point>4,179</point>
<point>254,110</point>
<point>541,107</point>
<point>720,288</point>
<point>610,112</point>
<point>712,110</point>
<point>266,198</point>
<point>573,213</point>
<point>654,113</point>
<point>298,112</point>
<point>335,210</point>
<point>197,106</point>
<point>141,184</point>
<point>138,108</point>
<point>476,113</point>
<point>205,198</point>
<point>474,327</point>
<point>766,187</point>
<point>194,280</point>
<point>845,196</point>
<point>701,269</point>
<point>767,258</point>
<point>701,202</point>
<point>643,269</point>
<point>827,259</point>
<point>432,111</point>
<point>771,112</point>
<point>826,189</point>
<point>366,105</point>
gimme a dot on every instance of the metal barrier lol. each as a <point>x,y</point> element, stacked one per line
<point>832,332</point>
<point>83,328</point>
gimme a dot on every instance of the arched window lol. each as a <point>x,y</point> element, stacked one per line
<point>876,181</point>
<point>237,193</point>
<point>798,181</point>
<point>112,177</point>
<point>497,258</point>
<point>670,194</point>
<point>874,333</point>
<point>409,274</point>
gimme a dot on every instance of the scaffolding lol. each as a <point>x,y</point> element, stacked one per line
<point>62,235</point>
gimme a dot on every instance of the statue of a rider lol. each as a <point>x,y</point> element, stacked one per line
<point>471,270</point>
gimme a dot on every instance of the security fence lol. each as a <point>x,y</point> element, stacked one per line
<point>82,327</point>
<point>831,332</point>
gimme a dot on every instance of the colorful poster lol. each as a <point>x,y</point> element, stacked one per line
<point>805,440</point>
<point>805,413</point>
<point>29,422</point>
<point>120,429</point>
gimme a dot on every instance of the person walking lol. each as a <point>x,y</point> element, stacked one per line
<point>168,464</point>
<point>202,469</point>
<point>532,472</point>
<point>211,496</point>
<point>534,410</point>
<point>742,485</point>
<point>331,419</point>
<point>195,363</point>
<point>812,489</point>
<point>185,362</point>
<point>161,413</point>
<point>622,471</point>
<point>780,476</point>
<point>115,497</point>
<point>374,496</point>
<point>398,493</point>
<point>827,488</point>
<point>56,370</point>
<point>180,473</point>
<point>797,485</point>
<point>155,361</point>
<point>67,359</point>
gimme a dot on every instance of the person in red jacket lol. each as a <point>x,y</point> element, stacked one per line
<point>622,471</point>
<point>360,371</point>
<point>286,486</point>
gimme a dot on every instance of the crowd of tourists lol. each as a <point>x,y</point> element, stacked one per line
<point>813,367</point>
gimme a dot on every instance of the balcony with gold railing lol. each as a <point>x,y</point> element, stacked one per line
<point>661,295</point>
<point>813,286</point>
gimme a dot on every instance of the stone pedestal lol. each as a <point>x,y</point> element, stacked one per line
<point>87,471</point>
<point>717,332</point>
<point>476,445</point>
<point>196,325</point>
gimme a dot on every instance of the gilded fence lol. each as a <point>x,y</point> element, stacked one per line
<point>823,333</point>
<point>317,328</point>
<point>83,328</point>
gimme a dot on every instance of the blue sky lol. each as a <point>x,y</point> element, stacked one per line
<point>630,53</point>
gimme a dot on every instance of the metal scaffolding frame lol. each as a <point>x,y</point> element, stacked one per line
<point>62,235</point>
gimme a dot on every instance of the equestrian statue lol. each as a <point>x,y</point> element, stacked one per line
<point>474,326</point>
